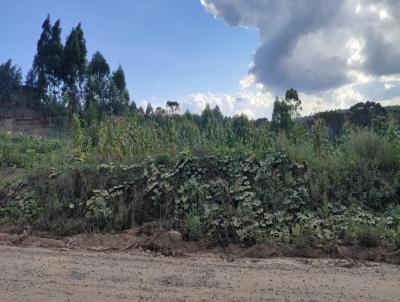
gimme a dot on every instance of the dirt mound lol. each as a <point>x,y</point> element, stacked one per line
<point>167,243</point>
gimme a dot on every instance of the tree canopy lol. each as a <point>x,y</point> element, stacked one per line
<point>10,83</point>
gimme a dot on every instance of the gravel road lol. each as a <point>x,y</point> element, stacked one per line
<point>36,274</point>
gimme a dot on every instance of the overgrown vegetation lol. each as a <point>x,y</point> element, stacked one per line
<point>211,177</point>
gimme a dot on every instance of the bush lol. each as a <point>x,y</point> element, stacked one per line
<point>394,212</point>
<point>365,144</point>
<point>394,236</point>
<point>367,236</point>
<point>193,226</point>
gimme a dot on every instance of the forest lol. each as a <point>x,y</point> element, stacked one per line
<point>332,178</point>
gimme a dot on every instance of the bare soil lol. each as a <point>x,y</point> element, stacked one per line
<point>37,274</point>
<point>127,267</point>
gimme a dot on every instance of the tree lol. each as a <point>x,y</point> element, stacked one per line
<point>10,83</point>
<point>241,128</point>
<point>213,129</point>
<point>364,114</point>
<point>285,110</point>
<point>217,113</point>
<point>160,111</point>
<point>98,66</point>
<point>119,78</point>
<point>291,95</point>
<point>97,94</point>
<point>261,122</point>
<point>334,121</point>
<point>293,102</point>
<point>97,84</point>
<point>47,64</point>
<point>46,76</point>
<point>41,60</point>
<point>74,67</point>
<point>173,107</point>
<point>207,117</point>
<point>132,107</point>
<point>56,56</point>
<point>281,116</point>
<point>149,111</point>
<point>118,93</point>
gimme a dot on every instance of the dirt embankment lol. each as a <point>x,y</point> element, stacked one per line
<point>167,244</point>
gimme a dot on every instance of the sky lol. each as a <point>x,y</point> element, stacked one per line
<point>237,54</point>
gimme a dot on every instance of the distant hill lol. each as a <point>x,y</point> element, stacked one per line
<point>361,114</point>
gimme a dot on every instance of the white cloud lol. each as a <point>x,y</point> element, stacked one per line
<point>253,102</point>
<point>256,103</point>
<point>317,45</point>
<point>209,7</point>
<point>391,102</point>
<point>144,103</point>
<point>336,52</point>
<point>389,86</point>
<point>247,112</point>
<point>247,81</point>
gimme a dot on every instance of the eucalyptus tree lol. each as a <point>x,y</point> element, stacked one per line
<point>74,68</point>
<point>46,74</point>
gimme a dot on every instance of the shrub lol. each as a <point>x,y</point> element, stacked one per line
<point>193,226</point>
<point>365,143</point>
<point>368,145</point>
<point>394,236</point>
<point>367,236</point>
<point>304,238</point>
<point>394,212</point>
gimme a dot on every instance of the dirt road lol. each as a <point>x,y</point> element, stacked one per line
<point>35,274</point>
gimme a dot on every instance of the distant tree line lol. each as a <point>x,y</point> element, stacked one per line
<point>363,114</point>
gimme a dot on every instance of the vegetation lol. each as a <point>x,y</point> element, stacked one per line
<point>215,178</point>
<point>331,178</point>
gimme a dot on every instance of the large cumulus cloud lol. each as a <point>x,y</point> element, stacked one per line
<point>318,45</point>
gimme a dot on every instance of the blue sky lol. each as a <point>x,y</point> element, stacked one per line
<point>169,49</point>
<point>237,54</point>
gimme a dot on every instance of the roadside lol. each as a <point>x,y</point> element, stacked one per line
<point>128,266</point>
<point>37,274</point>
